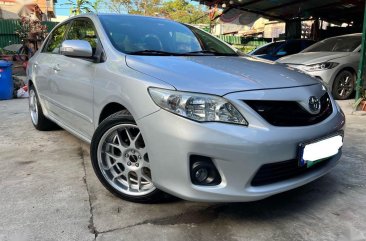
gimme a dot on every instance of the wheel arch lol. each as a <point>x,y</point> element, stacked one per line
<point>109,109</point>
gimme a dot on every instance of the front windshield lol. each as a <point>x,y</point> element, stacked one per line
<point>155,36</point>
<point>337,44</point>
<point>268,48</point>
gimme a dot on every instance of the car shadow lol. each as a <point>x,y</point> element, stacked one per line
<point>298,200</point>
<point>301,200</point>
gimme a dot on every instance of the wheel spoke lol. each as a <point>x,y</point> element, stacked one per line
<point>120,139</point>
<point>139,186</point>
<point>346,80</point>
<point>128,181</point>
<point>143,152</point>
<point>146,177</point>
<point>137,137</point>
<point>140,175</point>
<point>109,167</point>
<point>114,145</point>
<point>129,135</point>
<point>112,155</point>
<point>120,175</point>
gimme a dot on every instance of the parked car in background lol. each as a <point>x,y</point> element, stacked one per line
<point>278,49</point>
<point>169,108</point>
<point>334,61</point>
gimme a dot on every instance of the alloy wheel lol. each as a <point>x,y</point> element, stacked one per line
<point>345,85</point>
<point>33,106</point>
<point>123,160</point>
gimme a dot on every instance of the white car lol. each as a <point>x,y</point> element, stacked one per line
<point>334,61</point>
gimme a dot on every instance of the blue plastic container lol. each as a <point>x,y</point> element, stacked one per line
<point>6,80</point>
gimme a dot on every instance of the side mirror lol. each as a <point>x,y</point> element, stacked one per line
<point>76,48</point>
<point>281,53</point>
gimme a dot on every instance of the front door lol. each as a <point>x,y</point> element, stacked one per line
<point>43,68</point>
<point>74,79</point>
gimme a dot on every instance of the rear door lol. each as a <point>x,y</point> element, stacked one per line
<point>74,80</point>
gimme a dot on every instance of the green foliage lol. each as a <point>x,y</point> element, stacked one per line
<point>30,29</point>
<point>95,6</point>
<point>183,11</point>
<point>178,10</point>
<point>79,6</point>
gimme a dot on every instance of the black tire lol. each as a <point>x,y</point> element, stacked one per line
<point>343,85</point>
<point>42,123</point>
<point>121,117</point>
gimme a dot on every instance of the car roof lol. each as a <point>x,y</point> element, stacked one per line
<point>348,35</point>
<point>90,15</point>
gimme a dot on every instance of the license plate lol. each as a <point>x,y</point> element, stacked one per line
<point>316,151</point>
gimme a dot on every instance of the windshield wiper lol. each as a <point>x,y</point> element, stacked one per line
<point>210,52</point>
<point>153,52</point>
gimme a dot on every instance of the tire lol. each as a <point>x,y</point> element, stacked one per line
<point>343,85</point>
<point>39,120</point>
<point>120,161</point>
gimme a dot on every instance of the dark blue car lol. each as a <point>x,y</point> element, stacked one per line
<point>279,49</point>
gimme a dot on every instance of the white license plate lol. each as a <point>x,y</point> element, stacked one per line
<point>313,152</point>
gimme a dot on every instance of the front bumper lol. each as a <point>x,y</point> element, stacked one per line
<point>237,151</point>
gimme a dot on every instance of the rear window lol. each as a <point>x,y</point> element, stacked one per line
<point>337,44</point>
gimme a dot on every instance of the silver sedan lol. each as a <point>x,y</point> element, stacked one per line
<point>171,110</point>
<point>334,61</point>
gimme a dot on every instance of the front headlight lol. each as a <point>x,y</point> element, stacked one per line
<point>319,67</point>
<point>197,107</point>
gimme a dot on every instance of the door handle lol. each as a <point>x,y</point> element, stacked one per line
<point>56,68</point>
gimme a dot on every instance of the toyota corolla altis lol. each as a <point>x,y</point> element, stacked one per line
<point>170,109</point>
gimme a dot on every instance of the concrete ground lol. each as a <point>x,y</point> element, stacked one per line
<point>48,191</point>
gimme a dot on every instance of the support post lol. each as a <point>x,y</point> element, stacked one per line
<point>361,75</point>
<point>293,29</point>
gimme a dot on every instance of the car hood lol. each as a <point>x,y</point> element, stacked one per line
<point>218,74</point>
<point>312,57</point>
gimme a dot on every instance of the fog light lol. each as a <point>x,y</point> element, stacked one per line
<point>201,174</point>
<point>203,171</point>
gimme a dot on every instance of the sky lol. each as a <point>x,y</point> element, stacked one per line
<point>64,10</point>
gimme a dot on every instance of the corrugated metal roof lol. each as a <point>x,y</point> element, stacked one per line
<point>339,10</point>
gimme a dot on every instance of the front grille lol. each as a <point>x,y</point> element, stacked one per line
<point>280,171</point>
<point>290,113</point>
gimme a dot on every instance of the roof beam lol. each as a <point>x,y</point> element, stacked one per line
<point>260,13</point>
<point>285,5</point>
<point>250,3</point>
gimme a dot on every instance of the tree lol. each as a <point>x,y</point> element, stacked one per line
<point>178,10</point>
<point>79,6</point>
<point>119,6</point>
<point>185,12</point>
<point>31,30</point>
<point>95,6</point>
